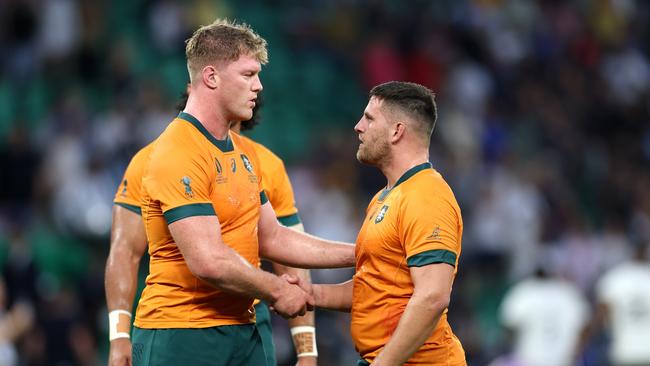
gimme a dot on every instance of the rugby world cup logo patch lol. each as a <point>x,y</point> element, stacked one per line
<point>188,188</point>
<point>381,214</point>
<point>218,166</point>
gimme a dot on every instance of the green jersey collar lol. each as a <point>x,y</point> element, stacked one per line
<point>408,174</point>
<point>223,145</point>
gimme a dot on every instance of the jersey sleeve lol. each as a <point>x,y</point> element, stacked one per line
<point>281,196</point>
<point>129,192</point>
<point>429,230</point>
<point>180,179</point>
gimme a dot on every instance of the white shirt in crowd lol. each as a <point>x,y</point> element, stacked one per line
<point>625,289</point>
<point>547,316</point>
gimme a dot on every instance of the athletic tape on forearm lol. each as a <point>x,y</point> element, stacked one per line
<point>304,339</point>
<point>116,328</point>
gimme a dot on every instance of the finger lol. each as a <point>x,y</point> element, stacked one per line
<point>291,279</point>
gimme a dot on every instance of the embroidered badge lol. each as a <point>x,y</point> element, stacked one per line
<point>247,163</point>
<point>188,188</point>
<point>381,214</point>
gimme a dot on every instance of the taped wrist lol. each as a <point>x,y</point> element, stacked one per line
<point>304,339</point>
<point>119,324</point>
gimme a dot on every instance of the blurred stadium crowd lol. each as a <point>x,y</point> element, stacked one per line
<point>544,135</point>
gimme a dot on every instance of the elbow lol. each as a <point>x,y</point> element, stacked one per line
<point>206,271</point>
<point>436,303</point>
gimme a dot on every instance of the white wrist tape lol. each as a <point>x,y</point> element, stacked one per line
<point>304,339</point>
<point>113,321</point>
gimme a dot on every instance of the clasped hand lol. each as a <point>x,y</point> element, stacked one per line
<point>295,299</point>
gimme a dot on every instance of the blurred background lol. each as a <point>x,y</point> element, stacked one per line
<point>543,134</point>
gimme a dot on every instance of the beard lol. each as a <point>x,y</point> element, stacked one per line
<point>375,153</point>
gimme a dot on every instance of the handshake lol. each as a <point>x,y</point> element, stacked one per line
<point>294,297</point>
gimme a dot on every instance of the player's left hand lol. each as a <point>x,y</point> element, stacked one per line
<point>307,361</point>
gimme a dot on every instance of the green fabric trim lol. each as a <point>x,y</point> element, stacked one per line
<point>409,173</point>
<point>362,362</point>
<point>263,198</point>
<point>431,257</point>
<point>290,220</point>
<point>223,145</point>
<point>133,208</point>
<point>194,209</point>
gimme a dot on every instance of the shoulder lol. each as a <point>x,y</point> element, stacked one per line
<point>141,157</point>
<point>179,146</point>
<point>179,138</point>
<point>428,187</point>
<point>264,154</point>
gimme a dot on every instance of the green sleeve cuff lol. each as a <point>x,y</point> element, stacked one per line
<point>431,257</point>
<point>290,220</point>
<point>194,209</point>
<point>132,208</point>
<point>263,198</point>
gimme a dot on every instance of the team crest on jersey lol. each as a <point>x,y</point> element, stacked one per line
<point>124,188</point>
<point>233,165</point>
<point>247,163</point>
<point>381,214</point>
<point>188,188</point>
<point>435,235</point>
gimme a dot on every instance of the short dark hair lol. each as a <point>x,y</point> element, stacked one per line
<point>245,125</point>
<point>415,100</point>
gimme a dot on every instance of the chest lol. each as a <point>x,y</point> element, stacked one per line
<point>379,240</point>
<point>234,189</point>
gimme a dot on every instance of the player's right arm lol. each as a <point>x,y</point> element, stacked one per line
<point>210,259</point>
<point>334,297</point>
<point>128,243</point>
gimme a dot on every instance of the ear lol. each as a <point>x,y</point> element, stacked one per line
<point>397,132</point>
<point>210,77</point>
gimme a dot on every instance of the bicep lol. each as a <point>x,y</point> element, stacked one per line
<point>267,225</point>
<point>433,279</point>
<point>197,237</point>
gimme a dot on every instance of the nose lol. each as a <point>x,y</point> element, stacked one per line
<point>358,128</point>
<point>257,84</point>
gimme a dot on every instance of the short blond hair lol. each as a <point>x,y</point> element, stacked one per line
<point>223,41</point>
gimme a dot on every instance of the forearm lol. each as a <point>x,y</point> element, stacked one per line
<point>297,249</point>
<point>334,297</point>
<point>121,279</point>
<point>233,273</point>
<point>238,276</point>
<point>416,325</point>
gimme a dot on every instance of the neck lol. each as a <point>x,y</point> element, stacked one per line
<point>402,162</point>
<point>236,127</point>
<point>211,118</point>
